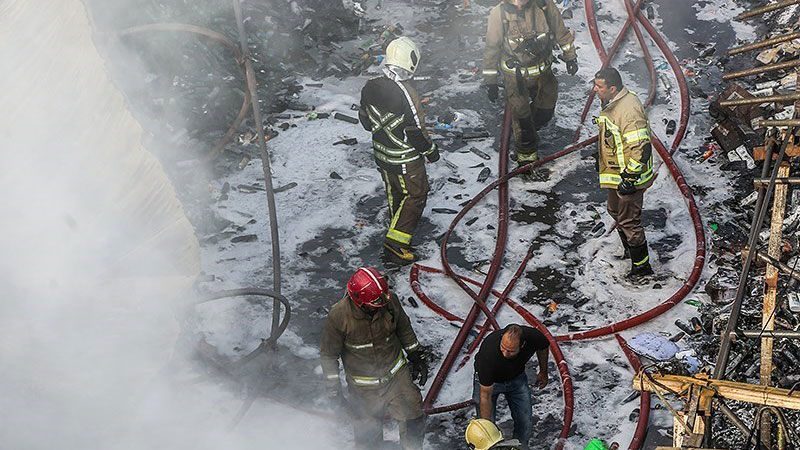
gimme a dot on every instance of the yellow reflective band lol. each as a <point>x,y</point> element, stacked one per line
<point>645,176</point>
<point>359,346</point>
<point>412,346</point>
<point>567,47</point>
<point>527,157</point>
<point>610,178</point>
<point>373,381</point>
<point>530,72</point>
<point>489,72</point>
<point>334,376</point>
<point>614,130</point>
<point>639,263</point>
<point>399,236</point>
<point>634,166</point>
<point>642,134</point>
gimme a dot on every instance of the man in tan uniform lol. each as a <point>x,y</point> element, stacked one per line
<point>625,163</point>
<point>372,335</point>
<point>519,43</point>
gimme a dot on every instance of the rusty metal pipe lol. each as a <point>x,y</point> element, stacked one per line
<point>758,182</point>
<point>766,9</point>
<point>774,262</point>
<point>762,69</point>
<point>786,98</point>
<point>779,123</point>
<point>764,43</point>
<point>767,334</point>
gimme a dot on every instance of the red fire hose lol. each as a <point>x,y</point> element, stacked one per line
<point>644,399</point>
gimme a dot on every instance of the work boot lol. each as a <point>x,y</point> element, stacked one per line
<point>640,263</point>
<point>398,254</point>
<point>626,253</point>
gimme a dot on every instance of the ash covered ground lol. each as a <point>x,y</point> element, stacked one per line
<point>332,213</point>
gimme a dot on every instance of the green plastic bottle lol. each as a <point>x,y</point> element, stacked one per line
<point>596,444</point>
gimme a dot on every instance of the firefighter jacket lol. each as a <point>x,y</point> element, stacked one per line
<point>624,141</point>
<point>524,39</point>
<point>391,111</point>
<point>370,346</point>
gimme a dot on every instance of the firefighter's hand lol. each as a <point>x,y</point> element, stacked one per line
<point>418,365</point>
<point>541,379</point>
<point>492,91</point>
<point>572,66</point>
<point>433,155</point>
<point>627,186</point>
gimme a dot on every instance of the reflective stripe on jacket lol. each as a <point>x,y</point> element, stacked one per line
<point>506,32</point>
<point>622,137</point>
<point>371,347</point>
<point>391,111</point>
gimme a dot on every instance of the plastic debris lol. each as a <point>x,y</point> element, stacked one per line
<point>444,211</point>
<point>347,141</point>
<point>484,174</point>
<point>653,346</point>
<point>480,153</point>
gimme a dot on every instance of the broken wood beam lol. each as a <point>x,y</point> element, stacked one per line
<point>765,9</point>
<point>762,69</point>
<point>764,43</point>
<point>787,98</point>
<point>731,390</point>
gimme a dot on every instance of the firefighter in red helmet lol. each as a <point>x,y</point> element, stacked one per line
<point>372,335</point>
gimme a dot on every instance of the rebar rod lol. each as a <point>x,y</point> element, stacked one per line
<point>265,164</point>
<point>786,98</point>
<point>766,9</point>
<point>789,334</point>
<point>764,43</point>
<point>779,123</point>
<point>762,69</point>
<point>781,266</point>
<point>791,180</point>
<point>764,195</point>
<point>735,420</point>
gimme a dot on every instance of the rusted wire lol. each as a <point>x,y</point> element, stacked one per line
<point>766,9</point>
<point>762,69</point>
<point>764,43</point>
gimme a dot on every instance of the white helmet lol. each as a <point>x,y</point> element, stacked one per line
<point>403,53</point>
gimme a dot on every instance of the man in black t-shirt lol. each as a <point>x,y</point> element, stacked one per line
<point>500,369</point>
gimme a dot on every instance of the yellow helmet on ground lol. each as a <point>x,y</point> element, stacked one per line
<point>482,434</point>
<point>403,53</point>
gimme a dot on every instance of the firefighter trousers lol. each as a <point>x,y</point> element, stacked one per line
<point>406,194</point>
<point>401,398</point>
<point>627,212</point>
<point>531,107</point>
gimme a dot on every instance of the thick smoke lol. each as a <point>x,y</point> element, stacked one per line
<point>98,260</point>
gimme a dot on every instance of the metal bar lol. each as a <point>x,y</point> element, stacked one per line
<point>779,123</point>
<point>766,9</point>
<point>262,141</point>
<point>757,100</point>
<point>788,334</point>
<point>764,43</point>
<point>764,195</point>
<point>735,420</point>
<point>762,69</point>
<point>783,267</point>
<point>762,181</point>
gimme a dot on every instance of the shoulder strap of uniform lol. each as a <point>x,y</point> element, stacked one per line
<point>410,103</point>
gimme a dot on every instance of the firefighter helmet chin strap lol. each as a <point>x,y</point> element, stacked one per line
<point>395,73</point>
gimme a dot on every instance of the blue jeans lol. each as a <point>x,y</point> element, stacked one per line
<point>518,396</point>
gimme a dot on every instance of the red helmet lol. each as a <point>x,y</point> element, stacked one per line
<point>366,287</point>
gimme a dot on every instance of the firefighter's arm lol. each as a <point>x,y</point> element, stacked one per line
<point>362,111</point>
<point>408,339</point>
<point>330,349</point>
<point>493,49</point>
<point>415,131</point>
<point>636,143</point>
<point>561,33</point>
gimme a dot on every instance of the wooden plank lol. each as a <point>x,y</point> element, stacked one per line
<point>771,280</point>
<point>743,392</point>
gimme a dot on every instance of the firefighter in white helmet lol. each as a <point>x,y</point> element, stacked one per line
<point>482,434</point>
<point>391,111</point>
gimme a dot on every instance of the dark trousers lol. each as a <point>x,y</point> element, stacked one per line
<point>406,194</point>
<point>627,212</point>
<point>531,108</point>
<point>518,396</point>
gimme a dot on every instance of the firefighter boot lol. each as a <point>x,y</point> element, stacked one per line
<point>398,254</point>
<point>527,151</point>
<point>640,263</point>
<point>412,433</point>
<point>626,253</point>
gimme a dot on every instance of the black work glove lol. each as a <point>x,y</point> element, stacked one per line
<point>572,66</point>
<point>418,365</point>
<point>492,91</point>
<point>626,186</point>
<point>433,155</point>
<point>596,161</point>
